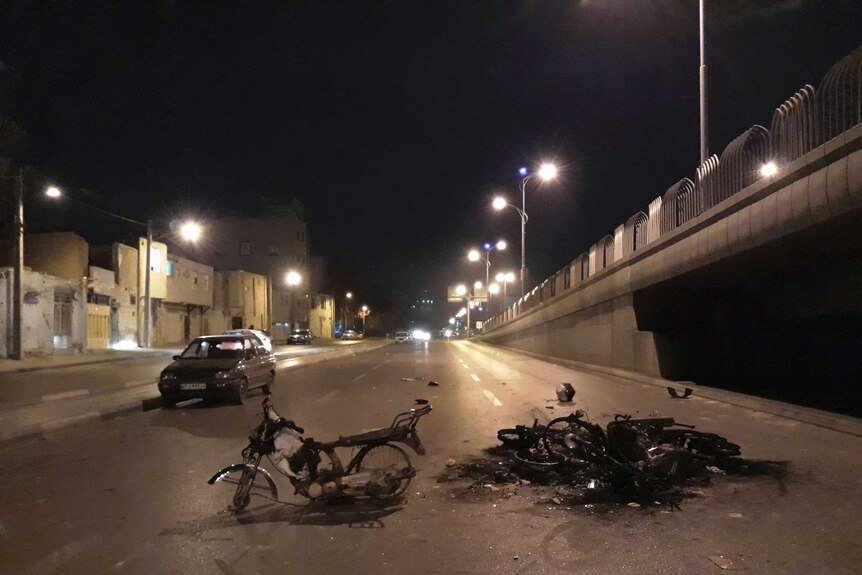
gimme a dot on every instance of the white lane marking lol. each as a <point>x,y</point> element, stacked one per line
<point>65,395</point>
<point>475,377</point>
<point>492,398</point>
<point>376,366</point>
<point>465,366</point>
<point>358,377</point>
<point>328,396</point>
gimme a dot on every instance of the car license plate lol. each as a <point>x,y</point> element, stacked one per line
<point>193,386</point>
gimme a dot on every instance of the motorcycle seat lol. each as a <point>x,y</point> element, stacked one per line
<point>382,434</point>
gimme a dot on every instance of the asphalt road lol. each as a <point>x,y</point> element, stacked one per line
<point>129,495</point>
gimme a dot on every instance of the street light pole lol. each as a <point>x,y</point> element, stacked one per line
<point>524,230</point>
<point>147,282</point>
<point>704,128</point>
<point>18,306</point>
<point>546,173</point>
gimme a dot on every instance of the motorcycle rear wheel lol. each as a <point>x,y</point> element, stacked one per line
<point>387,457</point>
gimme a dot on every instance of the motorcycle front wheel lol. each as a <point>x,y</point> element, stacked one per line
<point>248,480</point>
<point>389,459</point>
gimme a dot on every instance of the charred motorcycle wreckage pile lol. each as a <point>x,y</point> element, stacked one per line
<point>628,460</point>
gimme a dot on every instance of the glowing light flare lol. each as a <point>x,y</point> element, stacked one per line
<point>473,255</point>
<point>494,289</point>
<point>460,290</point>
<point>548,172</point>
<point>768,169</point>
<point>191,231</point>
<point>501,245</point>
<point>477,285</point>
<point>293,278</point>
<point>499,203</point>
<point>53,192</point>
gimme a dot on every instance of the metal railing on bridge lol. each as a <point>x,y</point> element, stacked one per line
<point>808,119</point>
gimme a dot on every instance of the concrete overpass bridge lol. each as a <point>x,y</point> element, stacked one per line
<point>733,278</point>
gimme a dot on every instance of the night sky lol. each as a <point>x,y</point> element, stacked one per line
<point>395,123</point>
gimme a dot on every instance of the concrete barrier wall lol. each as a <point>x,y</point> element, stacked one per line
<point>594,320</point>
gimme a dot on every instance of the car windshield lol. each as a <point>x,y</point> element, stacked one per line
<point>214,349</point>
<point>299,332</point>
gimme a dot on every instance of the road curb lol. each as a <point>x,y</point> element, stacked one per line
<point>122,408</point>
<point>84,362</point>
<point>834,421</point>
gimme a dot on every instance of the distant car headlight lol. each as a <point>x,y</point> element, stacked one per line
<point>168,375</point>
<point>222,374</point>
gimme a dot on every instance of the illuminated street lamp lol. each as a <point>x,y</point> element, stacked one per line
<point>474,256</point>
<point>462,291</point>
<point>547,172</point>
<point>505,278</point>
<point>768,169</point>
<point>191,231</point>
<point>364,313</point>
<point>293,278</point>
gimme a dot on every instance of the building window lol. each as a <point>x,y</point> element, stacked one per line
<point>155,260</point>
<point>245,248</point>
<point>170,268</point>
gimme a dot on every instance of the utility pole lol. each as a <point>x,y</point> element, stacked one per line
<point>704,126</point>
<point>147,303</point>
<point>18,303</point>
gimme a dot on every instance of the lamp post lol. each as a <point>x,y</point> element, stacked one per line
<point>190,231</point>
<point>345,312</point>
<point>704,127</point>
<point>292,278</point>
<point>474,256</point>
<point>505,278</point>
<point>547,172</point>
<point>365,311</point>
<point>470,298</point>
<point>17,347</point>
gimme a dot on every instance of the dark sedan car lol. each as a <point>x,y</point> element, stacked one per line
<point>300,336</point>
<point>218,366</point>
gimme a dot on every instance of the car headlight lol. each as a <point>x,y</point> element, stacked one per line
<point>168,375</point>
<point>222,374</point>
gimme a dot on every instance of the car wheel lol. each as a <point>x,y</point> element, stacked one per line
<point>241,393</point>
<point>267,387</point>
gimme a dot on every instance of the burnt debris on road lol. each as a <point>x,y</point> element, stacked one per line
<point>650,461</point>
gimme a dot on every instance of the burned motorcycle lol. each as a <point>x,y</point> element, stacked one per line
<point>378,468</point>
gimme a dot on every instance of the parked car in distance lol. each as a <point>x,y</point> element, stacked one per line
<point>300,336</point>
<point>264,339</point>
<point>218,367</point>
<point>351,334</point>
<point>402,336</point>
